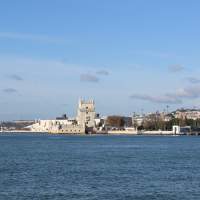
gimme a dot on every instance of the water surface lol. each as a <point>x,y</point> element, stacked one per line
<point>40,166</point>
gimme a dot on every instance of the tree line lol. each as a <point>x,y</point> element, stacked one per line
<point>157,123</point>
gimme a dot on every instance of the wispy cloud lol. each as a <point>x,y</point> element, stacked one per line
<point>33,37</point>
<point>89,78</point>
<point>10,90</point>
<point>103,72</point>
<point>93,77</point>
<point>189,92</point>
<point>171,98</point>
<point>193,80</point>
<point>157,99</point>
<point>175,68</point>
<point>15,77</point>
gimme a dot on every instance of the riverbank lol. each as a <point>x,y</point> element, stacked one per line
<point>145,133</point>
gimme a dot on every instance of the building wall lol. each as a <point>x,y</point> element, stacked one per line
<point>57,126</point>
<point>86,113</point>
<point>69,129</point>
<point>188,114</point>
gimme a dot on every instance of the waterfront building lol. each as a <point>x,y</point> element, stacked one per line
<point>86,113</point>
<point>193,114</point>
<point>137,120</point>
<point>84,121</point>
<point>58,126</point>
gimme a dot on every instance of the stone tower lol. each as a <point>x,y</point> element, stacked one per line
<point>86,113</point>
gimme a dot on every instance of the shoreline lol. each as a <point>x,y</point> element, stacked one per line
<point>146,133</point>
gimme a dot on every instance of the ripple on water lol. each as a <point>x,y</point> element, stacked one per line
<point>118,167</point>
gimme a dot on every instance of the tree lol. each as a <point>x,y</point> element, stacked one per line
<point>135,124</point>
<point>115,121</point>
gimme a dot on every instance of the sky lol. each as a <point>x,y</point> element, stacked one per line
<point>127,55</point>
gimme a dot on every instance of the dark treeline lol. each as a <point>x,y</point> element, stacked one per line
<point>157,123</point>
<point>154,122</point>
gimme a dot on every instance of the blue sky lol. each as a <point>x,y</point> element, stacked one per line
<point>128,55</point>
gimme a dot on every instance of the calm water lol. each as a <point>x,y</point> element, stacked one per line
<point>99,167</point>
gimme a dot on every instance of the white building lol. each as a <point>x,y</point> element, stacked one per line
<point>85,119</point>
<point>137,120</point>
<point>188,113</point>
<point>86,113</point>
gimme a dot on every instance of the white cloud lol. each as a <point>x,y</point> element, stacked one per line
<point>171,98</point>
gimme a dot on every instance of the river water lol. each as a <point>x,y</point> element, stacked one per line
<point>41,166</point>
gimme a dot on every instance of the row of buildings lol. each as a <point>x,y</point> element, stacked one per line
<point>181,114</point>
<point>88,121</point>
<point>193,114</point>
